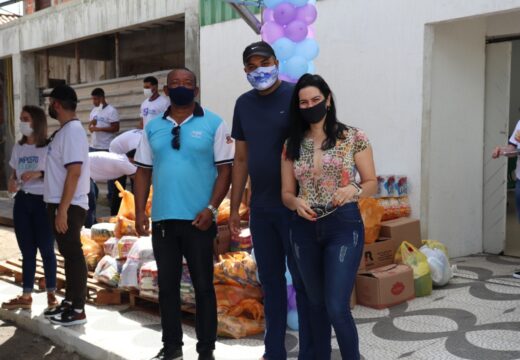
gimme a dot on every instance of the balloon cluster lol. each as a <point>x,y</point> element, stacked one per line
<point>292,313</point>
<point>288,28</point>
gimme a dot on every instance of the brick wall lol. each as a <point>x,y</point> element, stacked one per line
<point>30,6</point>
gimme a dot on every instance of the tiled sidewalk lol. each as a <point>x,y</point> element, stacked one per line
<point>477,316</point>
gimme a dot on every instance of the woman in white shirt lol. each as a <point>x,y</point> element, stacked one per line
<point>31,223</point>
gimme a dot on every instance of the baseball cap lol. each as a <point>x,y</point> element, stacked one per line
<point>63,92</point>
<point>260,48</point>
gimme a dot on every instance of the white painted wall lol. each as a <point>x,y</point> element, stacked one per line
<point>373,55</point>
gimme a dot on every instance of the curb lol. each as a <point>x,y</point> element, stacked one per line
<point>59,335</point>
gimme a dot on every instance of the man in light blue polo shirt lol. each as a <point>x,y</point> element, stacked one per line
<point>190,152</point>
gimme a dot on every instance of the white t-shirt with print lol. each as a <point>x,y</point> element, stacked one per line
<point>127,141</point>
<point>29,158</point>
<point>109,166</point>
<point>513,141</point>
<point>152,109</point>
<point>104,118</point>
<point>68,146</point>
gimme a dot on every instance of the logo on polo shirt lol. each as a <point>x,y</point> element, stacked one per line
<point>196,134</point>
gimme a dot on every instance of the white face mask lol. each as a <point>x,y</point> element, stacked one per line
<point>25,128</point>
<point>148,92</point>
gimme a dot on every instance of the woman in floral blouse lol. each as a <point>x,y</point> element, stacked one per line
<point>319,166</point>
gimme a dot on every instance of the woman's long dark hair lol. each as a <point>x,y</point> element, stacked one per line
<point>39,125</point>
<point>334,130</point>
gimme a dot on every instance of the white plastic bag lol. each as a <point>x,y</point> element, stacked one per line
<point>140,253</point>
<point>439,265</point>
<point>106,271</point>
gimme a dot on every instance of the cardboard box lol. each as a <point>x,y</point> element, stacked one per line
<point>380,253</point>
<point>385,286</point>
<point>402,229</point>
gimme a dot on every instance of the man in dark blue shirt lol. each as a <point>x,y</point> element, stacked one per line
<point>260,128</point>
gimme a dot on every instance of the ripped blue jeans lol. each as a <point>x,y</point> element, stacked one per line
<point>327,253</point>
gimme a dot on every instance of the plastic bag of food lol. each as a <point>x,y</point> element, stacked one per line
<point>439,265</point>
<point>127,207</point>
<point>242,241</point>
<point>92,251</point>
<point>101,232</point>
<point>229,295</point>
<point>129,274</point>
<point>124,245</point>
<point>110,247</point>
<point>436,244</point>
<point>395,207</point>
<point>106,271</point>
<point>148,208</point>
<point>148,277</point>
<point>124,226</point>
<point>142,250</point>
<point>224,211</point>
<point>236,268</point>
<point>409,255</point>
<point>372,213</point>
<point>244,319</point>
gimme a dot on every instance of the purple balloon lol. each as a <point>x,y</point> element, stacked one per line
<point>268,15</point>
<point>296,30</point>
<point>284,13</point>
<point>271,32</point>
<point>307,14</point>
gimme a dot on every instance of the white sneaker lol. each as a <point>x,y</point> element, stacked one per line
<point>516,274</point>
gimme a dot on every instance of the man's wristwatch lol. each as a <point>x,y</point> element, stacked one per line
<point>358,188</point>
<point>213,210</point>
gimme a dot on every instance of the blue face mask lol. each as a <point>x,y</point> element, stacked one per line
<point>181,95</point>
<point>263,77</point>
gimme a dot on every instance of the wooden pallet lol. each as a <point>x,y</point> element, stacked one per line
<point>151,305</point>
<point>97,293</point>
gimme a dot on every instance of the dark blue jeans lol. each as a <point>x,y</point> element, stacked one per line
<point>171,240</point>
<point>517,197</point>
<point>270,232</point>
<point>33,232</point>
<point>328,253</point>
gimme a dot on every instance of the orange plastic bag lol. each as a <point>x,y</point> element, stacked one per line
<point>229,296</point>
<point>92,251</point>
<point>127,207</point>
<point>244,319</point>
<point>224,211</point>
<point>372,213</point>
<point>236,268</point>
<point>124,227</point>
<point>148,209</point>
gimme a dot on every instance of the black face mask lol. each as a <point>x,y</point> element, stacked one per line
<point>181,95</point>
<point>314,114</point>
<point>52,112</point>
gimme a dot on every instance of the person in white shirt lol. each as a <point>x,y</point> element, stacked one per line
<point>104,121</point>
<point>31,223</point>
<point>109,166</point>
<point>155,104</point>
<point>103,125</point>
<point>125,142</point>
<point>513,149</point>
<point>65,188</point>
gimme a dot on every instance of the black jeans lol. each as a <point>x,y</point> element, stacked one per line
<point>171,240</point>
<point>69,245</point>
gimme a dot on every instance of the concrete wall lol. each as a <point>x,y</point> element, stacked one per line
<point>380,58</point>
<point>514,108</point>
